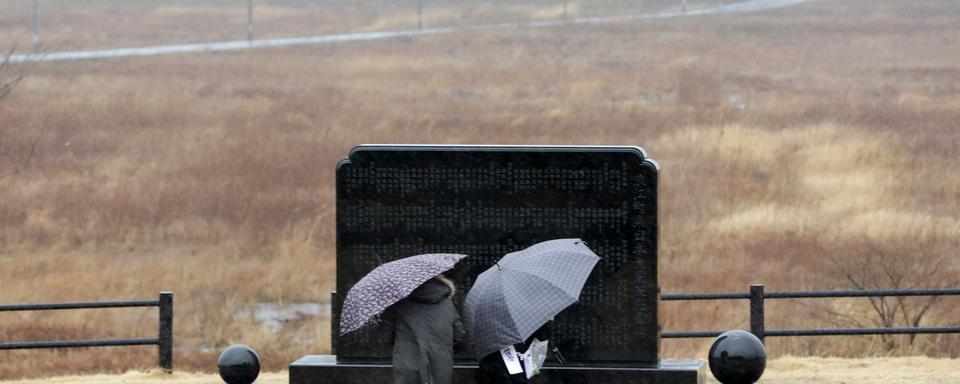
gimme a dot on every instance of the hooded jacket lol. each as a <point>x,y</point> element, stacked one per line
<point>424,328</point>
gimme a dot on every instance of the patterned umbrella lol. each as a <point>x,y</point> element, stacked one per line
<point>510,300</point>
<point>388,284</point>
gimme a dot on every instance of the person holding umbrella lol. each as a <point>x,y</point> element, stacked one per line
<point>511,301</point>
<point>411,297</point>
<point>423,328</point>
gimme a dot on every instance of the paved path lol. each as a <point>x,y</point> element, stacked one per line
<point>746,6</point>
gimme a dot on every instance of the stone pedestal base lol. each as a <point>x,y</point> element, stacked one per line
<point>324,369</point>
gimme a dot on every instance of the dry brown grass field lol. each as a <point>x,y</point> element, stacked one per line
<point>804,148</point>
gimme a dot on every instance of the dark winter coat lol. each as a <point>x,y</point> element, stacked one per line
<point>424,328</point>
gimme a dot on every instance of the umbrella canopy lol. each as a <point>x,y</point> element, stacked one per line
<point>388,284</point>
<point>524,290</point>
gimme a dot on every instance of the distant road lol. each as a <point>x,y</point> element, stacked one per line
<point>747,6</point>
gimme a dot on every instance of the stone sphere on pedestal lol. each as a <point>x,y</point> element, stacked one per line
<point>239,364</point>
<point>737,357</point>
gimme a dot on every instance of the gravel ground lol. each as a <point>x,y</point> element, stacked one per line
<point>788,370</point>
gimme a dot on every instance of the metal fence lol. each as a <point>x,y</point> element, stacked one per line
<point>757,296</point>
<point>164,340</point>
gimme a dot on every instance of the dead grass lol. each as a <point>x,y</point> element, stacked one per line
<point>785,370</point>
<point>901,370</point>
<point>785,137</point>
<point>154,376</point>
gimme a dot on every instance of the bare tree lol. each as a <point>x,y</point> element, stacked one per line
<point>908,262</point>
<point>9,76</point>
<point>14,158</point>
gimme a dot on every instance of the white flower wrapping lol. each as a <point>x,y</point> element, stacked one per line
<point>534,357</point>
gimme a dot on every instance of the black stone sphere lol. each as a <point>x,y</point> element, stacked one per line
<point>737,357</point>
<point>239,364</point>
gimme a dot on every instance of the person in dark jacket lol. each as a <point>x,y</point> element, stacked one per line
<point>493,370</point>
<point>424,328</point>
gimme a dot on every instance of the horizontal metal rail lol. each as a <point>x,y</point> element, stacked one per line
<point>164,340</point>
<point>812,294</point>
<point>706,296</point>
<point>78,343</point>
<point>861,331</point>
<point>757,296</point>
<point>689,334</point>
<point>81,305</point>
<point>870,293</point>
<point>821,332</point>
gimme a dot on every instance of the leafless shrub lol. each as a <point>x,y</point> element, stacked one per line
<point>9,75</point>
<point>919,261</point>
<point>17,157</point>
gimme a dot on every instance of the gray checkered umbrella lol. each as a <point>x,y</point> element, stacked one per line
<point>388,284</point>
<point>510,300</point>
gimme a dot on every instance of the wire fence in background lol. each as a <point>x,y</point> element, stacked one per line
<point>138,31</point>
<point>43,22</point>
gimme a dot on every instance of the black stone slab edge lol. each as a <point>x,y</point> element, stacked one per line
<point>324,369</point>
<point>640,152</point>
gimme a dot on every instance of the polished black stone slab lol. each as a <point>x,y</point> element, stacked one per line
<point>324,369</point>
<point>486,201</point>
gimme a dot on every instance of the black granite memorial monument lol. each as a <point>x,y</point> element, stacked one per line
<point>395,201</point>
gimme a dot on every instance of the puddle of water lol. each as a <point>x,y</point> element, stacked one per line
<point>274,315</point>
<point>737,101</point>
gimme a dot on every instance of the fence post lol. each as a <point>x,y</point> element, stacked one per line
<point>249,20</point>
<point>419,14</point>
<point>36,25</point>
<point>166,331</point>
<point>756,310</point>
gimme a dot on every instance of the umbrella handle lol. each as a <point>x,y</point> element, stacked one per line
<point>559,356</point>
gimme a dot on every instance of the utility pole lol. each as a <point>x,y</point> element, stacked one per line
<point>250,20</point>
<point>684,6</point>
<point>565,8</point>
<point>36,25</point>
<point>419,14</point>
